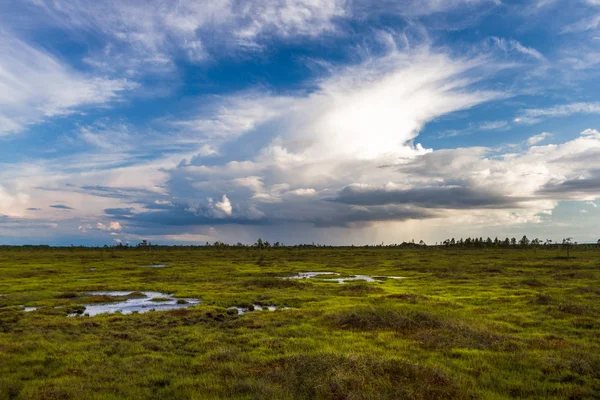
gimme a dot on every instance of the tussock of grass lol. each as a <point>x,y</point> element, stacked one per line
<point>333,376</point>
<point>407,297</point>
<point>578,309</point>
<point>532,283</point>
<point>274,283</point>
<point>359,289</point>
<point>161,299</point>
<point>429,330</point>
<point>542,299</point>
<point>67,295</point>
<point>368,318</point>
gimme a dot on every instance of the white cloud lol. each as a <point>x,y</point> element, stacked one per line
<point>153,30</point>
<point>112,226</point>
<point>538,138</point>
<point>13,204</point>
<point>515,46</point>
<point>147,35</point>
<point>230,117</point>
<point>224,205</point>
<point>357,119</point>
<point>35,86</point>
<point>535,115</point>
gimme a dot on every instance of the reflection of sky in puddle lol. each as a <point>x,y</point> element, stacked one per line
<point>308,275</point>
<point>366,278</point>
<point>354,278</point>
<point>154,266</point>
<point>140,305</point>
<point>241,310</point>
<point>29,309</point>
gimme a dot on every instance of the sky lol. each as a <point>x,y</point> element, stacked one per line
<point>298,121</point>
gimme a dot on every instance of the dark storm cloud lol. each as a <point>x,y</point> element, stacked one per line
<point>574,186</point>
<point>119,212</point>
<point>426,197</point>
<point>61,207</point>
<point>181,217</point>
<point>329,215</point>
<point>353,216</point>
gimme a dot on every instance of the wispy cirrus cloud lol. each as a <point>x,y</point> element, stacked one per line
<point>35,86</point>
<point>535,115</point>
<point>150,35</point>
<point>511,45</point>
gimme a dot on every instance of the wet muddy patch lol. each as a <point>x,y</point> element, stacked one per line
<point>134,302</point>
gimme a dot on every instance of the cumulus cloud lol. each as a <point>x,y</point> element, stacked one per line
<point>35,86</point>
<point>112,226</point>
<point>316,143</point>
<point>224,205</point>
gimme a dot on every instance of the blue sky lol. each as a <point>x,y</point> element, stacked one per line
<point>340,121</point>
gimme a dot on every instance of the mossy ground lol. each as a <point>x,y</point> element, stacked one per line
<point>472,324</point>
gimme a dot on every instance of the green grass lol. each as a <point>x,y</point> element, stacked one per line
<point>464,324</point>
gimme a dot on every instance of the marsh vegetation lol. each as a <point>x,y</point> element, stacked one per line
<point>461,323</point>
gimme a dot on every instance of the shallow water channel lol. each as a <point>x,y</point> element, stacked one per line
<point>321,276</point>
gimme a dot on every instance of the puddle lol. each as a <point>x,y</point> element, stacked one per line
<point>308,275</point>
<point>366,278</point>
<point>29,309</point>
<point>242,310</point>
<point>154,266</point>
<point>147,301</point>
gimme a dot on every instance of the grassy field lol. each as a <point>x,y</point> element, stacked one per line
<point>463,324</point>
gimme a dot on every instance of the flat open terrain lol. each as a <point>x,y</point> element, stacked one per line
<point>433,324</point>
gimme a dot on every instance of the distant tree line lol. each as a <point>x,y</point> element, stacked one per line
<point>495,243</point>
<point>462,243</point>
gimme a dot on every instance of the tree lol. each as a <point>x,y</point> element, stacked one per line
<point>598,243</point>
<point>524,242</point>
<point>513,242</point>
<point>567,243</point>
